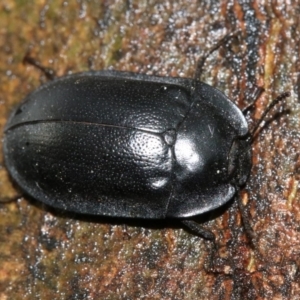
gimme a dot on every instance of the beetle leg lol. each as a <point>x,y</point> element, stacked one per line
<point>12,199</point>
<point>206,234</point>
<point>247,226</point>
<point>253,95</point>
<point>49,73</point>
<point>198,229</point>
<point>201,61</point>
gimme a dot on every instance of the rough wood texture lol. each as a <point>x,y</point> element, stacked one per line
<point>45,254</point>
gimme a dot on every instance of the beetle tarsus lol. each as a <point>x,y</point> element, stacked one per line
<point>48,72</point>
<point>201,61</point>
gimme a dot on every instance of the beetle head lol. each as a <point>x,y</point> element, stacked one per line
<point>239,158</point>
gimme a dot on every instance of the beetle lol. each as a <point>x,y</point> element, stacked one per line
<point>130,145</point>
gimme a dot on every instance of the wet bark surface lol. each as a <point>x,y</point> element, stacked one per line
<point>49,254</point>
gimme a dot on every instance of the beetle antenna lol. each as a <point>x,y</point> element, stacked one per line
<point>201,61</point>
<point>254,93</point>
<point>271,105</point>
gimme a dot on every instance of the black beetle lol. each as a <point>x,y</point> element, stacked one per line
<point>129,145</point>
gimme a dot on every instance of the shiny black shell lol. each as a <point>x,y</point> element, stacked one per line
<point>128,145</point>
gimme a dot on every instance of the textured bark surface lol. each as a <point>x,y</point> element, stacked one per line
<point>47,254</point>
